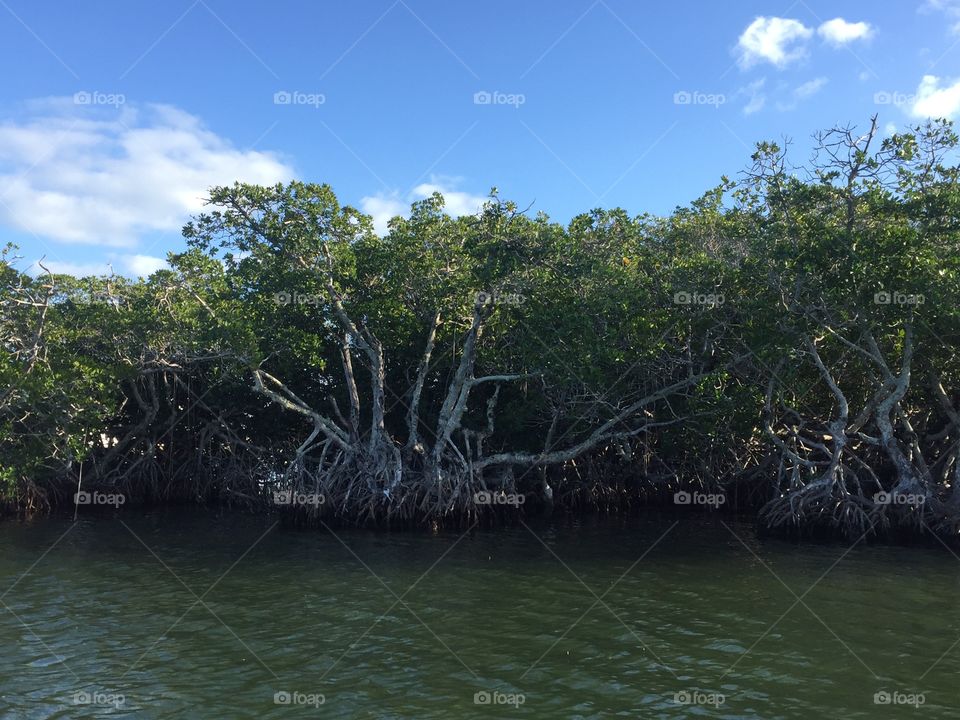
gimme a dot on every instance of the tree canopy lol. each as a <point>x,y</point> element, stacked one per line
<point>787,340</point>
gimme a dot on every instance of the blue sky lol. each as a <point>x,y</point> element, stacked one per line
<point>115,116</point>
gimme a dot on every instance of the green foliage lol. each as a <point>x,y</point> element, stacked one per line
<point>592,314</point>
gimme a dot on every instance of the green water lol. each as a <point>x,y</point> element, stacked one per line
<point>177,614</point>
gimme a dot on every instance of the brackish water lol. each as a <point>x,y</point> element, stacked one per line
<point>178,614</point>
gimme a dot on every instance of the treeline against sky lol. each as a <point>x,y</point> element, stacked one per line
<point>785,346</point>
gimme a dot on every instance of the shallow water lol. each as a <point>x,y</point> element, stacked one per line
<point>180,614</point>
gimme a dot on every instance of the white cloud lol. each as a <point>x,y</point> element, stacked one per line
<point>115,263</point>
<point>455,203</point>
<point>776,40</point>
<point>802,92</point>
<point>840,32</point>
<point>934,101</point>
<point>145,265</point>
<point>756,98</point>
<point>70,268</point>
<point>383,207</point>
<point>950,8</point>
<point>84,175</point>
<point>809,88</point>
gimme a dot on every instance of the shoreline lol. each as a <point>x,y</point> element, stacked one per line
<point>559,517</point>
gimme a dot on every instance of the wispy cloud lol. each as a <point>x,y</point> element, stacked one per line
<point>756,99</point>
<point>132,265</point>
<point>950,8</point>
<point>802,92</point>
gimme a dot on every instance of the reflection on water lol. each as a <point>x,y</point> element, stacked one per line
<point>180,614</point>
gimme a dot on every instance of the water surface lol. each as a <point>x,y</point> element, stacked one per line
<point>180,614</point>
